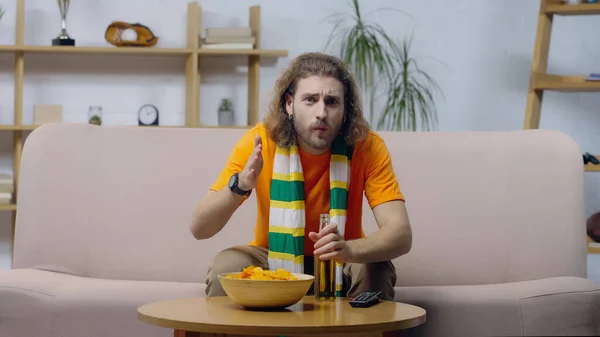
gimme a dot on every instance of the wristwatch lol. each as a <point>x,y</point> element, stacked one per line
<point>233,185</point>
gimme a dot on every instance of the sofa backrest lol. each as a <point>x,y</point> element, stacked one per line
<point>116,202</point>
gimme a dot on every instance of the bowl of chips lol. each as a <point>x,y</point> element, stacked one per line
<point>255,287</point>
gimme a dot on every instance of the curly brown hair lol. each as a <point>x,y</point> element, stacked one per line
<point>281,128</point>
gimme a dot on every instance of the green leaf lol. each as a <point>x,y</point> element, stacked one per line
<point>383,67</point>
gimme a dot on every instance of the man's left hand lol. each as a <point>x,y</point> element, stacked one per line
<point>330,245</point>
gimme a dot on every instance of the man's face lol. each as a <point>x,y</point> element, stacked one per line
<point>318,111</point>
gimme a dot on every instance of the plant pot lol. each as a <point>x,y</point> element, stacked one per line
<point>226,117</point>
<point>96,120</point>
<point>95,115</point>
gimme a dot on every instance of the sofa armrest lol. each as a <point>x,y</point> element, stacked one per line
<point>554,306</point>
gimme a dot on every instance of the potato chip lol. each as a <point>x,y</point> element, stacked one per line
<point>257,273</point>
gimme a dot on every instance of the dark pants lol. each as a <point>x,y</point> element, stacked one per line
<point>358,277</point>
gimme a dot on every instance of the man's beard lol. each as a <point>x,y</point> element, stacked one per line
<point>317,143</point>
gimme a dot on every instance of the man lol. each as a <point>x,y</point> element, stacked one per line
<point>298,165</point>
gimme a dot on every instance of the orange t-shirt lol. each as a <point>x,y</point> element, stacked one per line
<point>371,173</point>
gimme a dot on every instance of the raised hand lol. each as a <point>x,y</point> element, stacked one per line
<point>250,173</point>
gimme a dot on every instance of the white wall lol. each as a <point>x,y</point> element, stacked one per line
<point>485,47</point>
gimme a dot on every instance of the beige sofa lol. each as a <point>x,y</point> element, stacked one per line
<point>104,213</point>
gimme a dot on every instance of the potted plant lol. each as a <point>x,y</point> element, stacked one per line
<point>226,112</point>
<point>96,120</point>
<point>410,95</point>
<point>95,115</point>
<point>384,66</point>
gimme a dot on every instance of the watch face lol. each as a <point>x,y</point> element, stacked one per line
<point>233,181</point>
<point>148,114</point>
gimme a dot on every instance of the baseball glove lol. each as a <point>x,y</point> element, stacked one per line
<point>114,35</point>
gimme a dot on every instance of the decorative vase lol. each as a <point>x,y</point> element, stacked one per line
<point>226,117</point>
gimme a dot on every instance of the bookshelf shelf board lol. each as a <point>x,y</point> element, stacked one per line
<point>9,207</point>
<point>244,52</point>
<point>225,126</point>
<point>4,49</point>
<point>141,51</point>
<point>590,167</point>
<point>98,50</point>
<point>185,127</point>
<point>579,9</point>
<point>593,247</point>
<point>564,83</point>
<point>10,127</point>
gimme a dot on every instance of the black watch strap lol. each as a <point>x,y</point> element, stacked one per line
<point>233,185</point>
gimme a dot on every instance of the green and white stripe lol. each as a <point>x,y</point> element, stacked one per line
<point>287,217</point>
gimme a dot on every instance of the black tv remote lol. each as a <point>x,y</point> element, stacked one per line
<point>365,299</point>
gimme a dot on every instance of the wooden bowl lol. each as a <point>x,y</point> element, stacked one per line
<point>264,294</point>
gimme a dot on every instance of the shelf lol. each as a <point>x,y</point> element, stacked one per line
<point>248,52</point>
<point>190,55</point>
<point>580,9</point>
<point>592,247</point>
<point>140,51</point>
<point>224,127</point>
<point>564,83</point>
<point>188,127</point>
<point>10,127</point>
<point>9,207</point>
<point>97,50</point>
<point>590,167</point>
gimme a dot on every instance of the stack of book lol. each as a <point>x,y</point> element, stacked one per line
<point>228,38</point>
<point>593,77</point>
<point>6,188</point>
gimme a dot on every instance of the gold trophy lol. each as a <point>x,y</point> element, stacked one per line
<point>63,39</point>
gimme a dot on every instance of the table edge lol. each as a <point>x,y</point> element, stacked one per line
<point>279,330</point>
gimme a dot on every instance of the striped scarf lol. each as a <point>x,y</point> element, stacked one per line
<point>287,219</point>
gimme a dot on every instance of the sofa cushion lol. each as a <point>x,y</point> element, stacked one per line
<point>43,303</point>
<point>565,306</point>
<point>554,306</point>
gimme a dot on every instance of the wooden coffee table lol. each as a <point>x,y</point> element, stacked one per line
<point>220,315</point>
